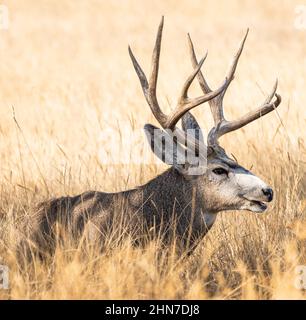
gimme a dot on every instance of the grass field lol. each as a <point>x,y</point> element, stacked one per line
<point>66,79</point>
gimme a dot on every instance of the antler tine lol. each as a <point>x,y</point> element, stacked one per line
<point>218,111</point>
<point>228,126</point>
<point>215,104</point>
<point>187,84</point>
<point>155,57</point>
<point>149,88</point>
<point>267,107</point>
<point>233,66</point>
<point>272,93</point>
<point>202,81</point>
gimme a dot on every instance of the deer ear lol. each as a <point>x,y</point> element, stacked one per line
<point>165,148</point>
<point>189,123</point>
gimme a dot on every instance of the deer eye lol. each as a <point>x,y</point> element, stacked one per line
<point>220,171</point>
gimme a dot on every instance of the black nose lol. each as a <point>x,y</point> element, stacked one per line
<point>268,192</point>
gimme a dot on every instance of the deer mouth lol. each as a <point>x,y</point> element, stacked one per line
<point>256,205</point>
<point>259,204</point>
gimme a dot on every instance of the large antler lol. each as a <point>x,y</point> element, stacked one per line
<point>222,126</point>
<point>184,103</point>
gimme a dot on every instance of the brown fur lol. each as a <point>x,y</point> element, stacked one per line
<point>159,205</point>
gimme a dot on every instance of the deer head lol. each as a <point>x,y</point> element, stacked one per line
<point>224,184</point>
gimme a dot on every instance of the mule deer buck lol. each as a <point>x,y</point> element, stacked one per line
<point>191,200</point>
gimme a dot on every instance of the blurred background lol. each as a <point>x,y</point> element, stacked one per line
<point>66,72</point>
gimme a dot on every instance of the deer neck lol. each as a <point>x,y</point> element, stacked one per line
<point>172,192</point>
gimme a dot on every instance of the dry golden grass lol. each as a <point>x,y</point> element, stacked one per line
<point>66,72</point>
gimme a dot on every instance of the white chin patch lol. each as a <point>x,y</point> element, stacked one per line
<point>258,207</point>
